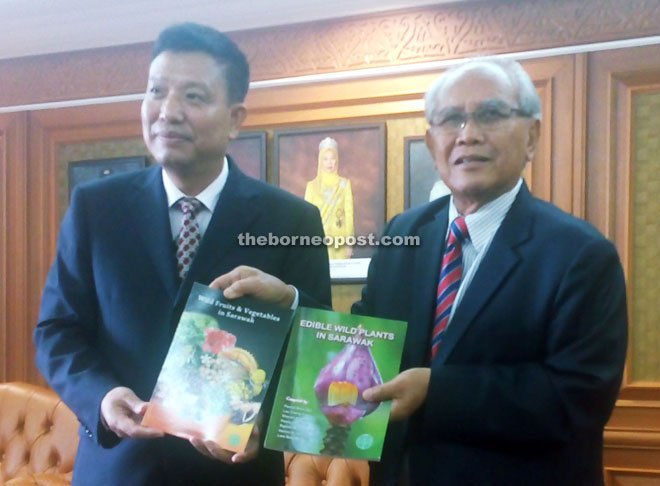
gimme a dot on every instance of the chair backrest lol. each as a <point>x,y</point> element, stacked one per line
<point>38,433</point>
<point>307,470</point>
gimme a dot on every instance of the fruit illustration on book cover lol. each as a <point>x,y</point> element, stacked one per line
<point>331,358</point>
<point>211,385</point>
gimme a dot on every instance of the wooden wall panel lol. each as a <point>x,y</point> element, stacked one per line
<point>552,168</point>
<point>51,131</point>
<point>552,173</point>
<point>364,98</point>
<point>579,138</point>
<point>15,337</point>
<point>631,477</point>
<point>614,77</point>
<point>645,234</point>
<point>397,131</point>
<point>5,134</point>
<point>632,437</point>
<point>48,130</point>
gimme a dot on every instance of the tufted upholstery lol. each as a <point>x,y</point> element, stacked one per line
<point>304,470</point>
<point>39,438</point>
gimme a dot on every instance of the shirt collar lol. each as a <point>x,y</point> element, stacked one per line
<point>483,223</point>
<point>208,197</point>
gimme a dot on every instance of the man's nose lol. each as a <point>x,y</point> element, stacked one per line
<point>470,133</point>
<point>171,109</point>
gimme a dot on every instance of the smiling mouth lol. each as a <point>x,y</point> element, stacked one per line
<point>172,137</point>
<point>470,158</point>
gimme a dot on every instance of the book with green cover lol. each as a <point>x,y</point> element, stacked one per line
<point>330,360</point>
<point>218,368</point>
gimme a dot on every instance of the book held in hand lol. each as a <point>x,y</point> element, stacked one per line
<point>330,360</point>
<point>218,368</point>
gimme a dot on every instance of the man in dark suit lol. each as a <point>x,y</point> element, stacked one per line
<point>117,287</point>
<point>516,310</point>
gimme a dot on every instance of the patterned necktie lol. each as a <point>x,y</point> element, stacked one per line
<point>450,280</point>
<point>189,237</point>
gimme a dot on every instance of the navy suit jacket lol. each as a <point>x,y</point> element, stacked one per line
<point>113,298</point>
<point>531,363</point>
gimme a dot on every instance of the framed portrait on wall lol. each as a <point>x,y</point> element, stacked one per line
<point>249,153</point>
<point>421,181</point>
<point>88,170</point>
<point>341,170</point>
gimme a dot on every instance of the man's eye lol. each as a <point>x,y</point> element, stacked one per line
<point>155,90</point>
<point>196,97</point>
<point>452,120</point>
<point>490,116</point>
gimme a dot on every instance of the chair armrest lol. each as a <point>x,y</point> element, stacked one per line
<point>41,480</point>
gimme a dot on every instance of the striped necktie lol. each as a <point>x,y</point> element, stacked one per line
<point>450,280</point>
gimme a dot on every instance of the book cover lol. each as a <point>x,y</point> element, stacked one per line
<point>218,368</point>
<point>330,360</point>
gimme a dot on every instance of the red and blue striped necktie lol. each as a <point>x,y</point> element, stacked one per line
<point>450,280</point>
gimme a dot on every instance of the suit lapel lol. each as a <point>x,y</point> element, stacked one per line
<point>427,270</point>
<point>151,218</point>
<point>500,259</point>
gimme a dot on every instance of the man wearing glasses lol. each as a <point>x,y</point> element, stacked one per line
<point>516,310</point>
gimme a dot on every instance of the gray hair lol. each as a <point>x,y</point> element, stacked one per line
<point>528,98</point>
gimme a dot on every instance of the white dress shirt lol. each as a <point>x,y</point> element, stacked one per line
<point>208,197</point>
<point>482,226</point>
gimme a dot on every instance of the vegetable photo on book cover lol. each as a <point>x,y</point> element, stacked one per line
<point>339,388</point>
<point>330,360</point>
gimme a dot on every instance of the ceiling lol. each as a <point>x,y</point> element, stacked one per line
<point>31,27</point>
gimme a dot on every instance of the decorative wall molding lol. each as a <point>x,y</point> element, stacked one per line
<point>426,34</point>
<point>74,75</point>
<point>443,32</point>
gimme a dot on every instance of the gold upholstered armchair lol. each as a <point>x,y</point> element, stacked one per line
<point>39,439</point>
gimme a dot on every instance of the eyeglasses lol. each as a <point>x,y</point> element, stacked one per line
<point>488,116</point>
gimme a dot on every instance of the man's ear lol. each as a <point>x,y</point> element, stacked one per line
<point>238,112</point>
<point>430,141</point>
<point>533,136</point>
<point>431,144</point>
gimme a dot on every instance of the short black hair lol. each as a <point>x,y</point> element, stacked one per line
<point>192,37</point>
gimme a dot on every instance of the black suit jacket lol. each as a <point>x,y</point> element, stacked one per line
<point>113,298</point>
<point>530,366</point>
